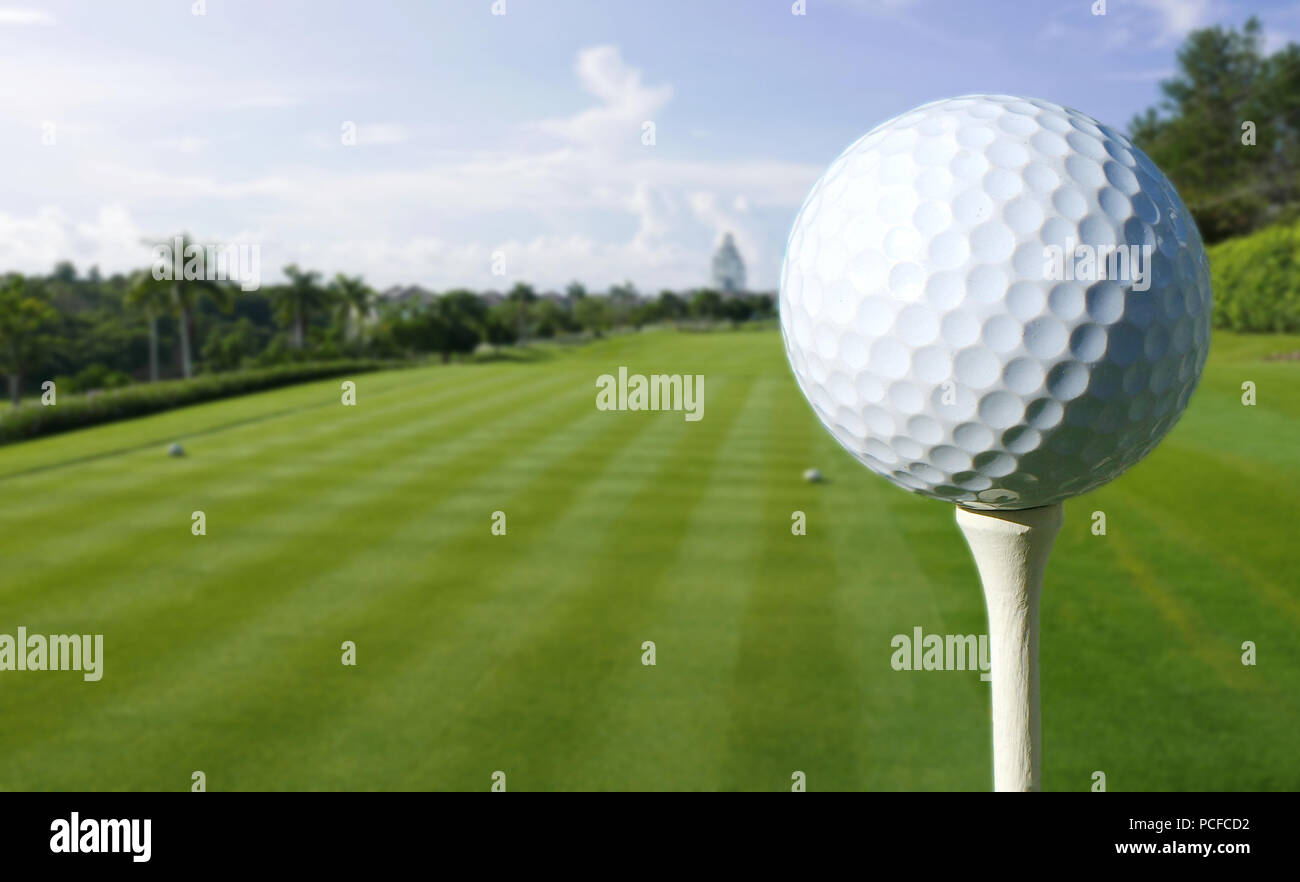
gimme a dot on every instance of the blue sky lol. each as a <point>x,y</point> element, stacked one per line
<point>516,134</point>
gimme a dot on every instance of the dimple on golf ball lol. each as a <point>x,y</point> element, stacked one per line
<point>941,314</point>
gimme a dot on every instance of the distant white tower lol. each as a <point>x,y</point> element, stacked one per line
<point>728,268</point>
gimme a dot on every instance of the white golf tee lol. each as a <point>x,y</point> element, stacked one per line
<point>1011,550</point>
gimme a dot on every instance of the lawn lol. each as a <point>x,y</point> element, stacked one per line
<point>523,652</point>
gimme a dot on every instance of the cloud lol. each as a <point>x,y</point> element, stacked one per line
<point>371,134</point>
<point>1176,18</point>
<point>562,197</point>
<point>16,16</point>
<point>625,103</point>
<point>1133,26</point>
<point>182,143</point>
<point>110,240</point>
<point>263,102</point>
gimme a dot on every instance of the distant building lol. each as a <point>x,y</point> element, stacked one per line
<point>728,268</point>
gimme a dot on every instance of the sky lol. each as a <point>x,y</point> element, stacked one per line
<point>489,148</point>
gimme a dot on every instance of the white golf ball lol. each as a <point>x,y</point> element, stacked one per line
<point>940,312</point>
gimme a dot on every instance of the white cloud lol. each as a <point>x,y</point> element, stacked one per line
<point>580,197</point>
<point>1176,18</point>
<point>625,103</point>
<point>273,102</point>
<point>10,15</point>
<point>371,134</point>
<point>1131,27</point>
<point>110,240</point>
<point>182,143</point>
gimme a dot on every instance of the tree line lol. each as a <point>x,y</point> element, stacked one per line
<point>89,332</point>
<point>1227,130</point>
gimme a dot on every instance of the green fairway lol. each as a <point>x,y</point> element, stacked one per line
<point>523,652</point>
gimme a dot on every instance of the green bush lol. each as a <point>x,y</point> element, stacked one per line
<point>32,420</point>
<point>1257,280</point>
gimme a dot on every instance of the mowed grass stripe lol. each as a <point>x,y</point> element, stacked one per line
<point>622,533</point>
<point>252,508</point>
<point>483,607</point>
<point>107,476</point>
<point>1229,547</point>
<point>420,633</point>
<point>143,623</point>
<point>785,667</point>
<point>676,711</point>
<point>482,652</point>
<point>125,436</point>
<point>109,509</point>
<point>313,660</point>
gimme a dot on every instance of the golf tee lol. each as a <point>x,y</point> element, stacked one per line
<point>1011,550</point>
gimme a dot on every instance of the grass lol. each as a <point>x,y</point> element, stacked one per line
<point>522,652</point>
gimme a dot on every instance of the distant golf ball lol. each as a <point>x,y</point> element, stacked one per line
<point>940,313</point>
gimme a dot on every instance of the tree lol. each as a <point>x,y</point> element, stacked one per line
<point>355,298</point>
<point>26,332</point>
<point>226,349</point>
<point>153,298</point>
<point>623,300</point>
<point>296,301</point>
<point>452,323</point>
<point>549,318</point>
<point>671,306</point>
<point>521,296</point>
<point>186,296</point>
<point>737,310</point>
<point>706,304</point>
<point>461,315</point>
<point>647,312</point>
<point>593,314</point>
<point>499,325</point>
<point>1195,135</point>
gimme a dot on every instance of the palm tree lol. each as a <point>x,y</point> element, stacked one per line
<point>355,298</point>
<point>153,298</point>
<point>296,301</point>
<point>186,294</point>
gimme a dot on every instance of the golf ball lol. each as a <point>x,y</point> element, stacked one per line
<point>942,315</point>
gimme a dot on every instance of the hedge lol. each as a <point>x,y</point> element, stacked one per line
<point>32,420</point>
<point>1257,280</point>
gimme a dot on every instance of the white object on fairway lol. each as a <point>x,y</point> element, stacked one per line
<point>812,476</point>
<point>1001,303</point>
<point>175,450</point>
